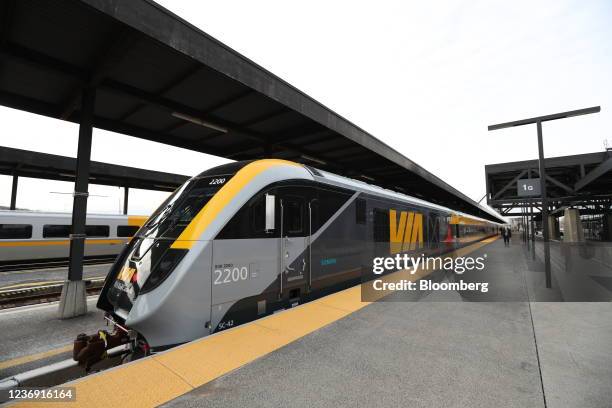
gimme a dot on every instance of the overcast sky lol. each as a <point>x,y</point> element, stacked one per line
<point>424,77</point>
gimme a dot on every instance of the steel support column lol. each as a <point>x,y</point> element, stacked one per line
<point>532,228</point>
<point>522,226</point>
<point>14,191</point>
<point>81,185</point>
<point>542,168</point>
<point>126,196</point>
<point>73,301</point>
<point>525,228</point>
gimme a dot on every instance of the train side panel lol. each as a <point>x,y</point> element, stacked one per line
<point>45,236</point>
<point>347,237</point>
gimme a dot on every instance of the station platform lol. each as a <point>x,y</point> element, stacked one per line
<point>439,351</point>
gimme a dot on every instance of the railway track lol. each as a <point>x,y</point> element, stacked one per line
<point>42,294</point>
<point>62,263</point>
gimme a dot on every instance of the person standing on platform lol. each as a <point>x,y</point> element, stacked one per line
<point>506,234</point>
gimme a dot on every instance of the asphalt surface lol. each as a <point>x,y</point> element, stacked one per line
<point>35,277</point>
<point>443,351</point>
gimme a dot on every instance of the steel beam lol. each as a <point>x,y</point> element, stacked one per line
<point>276,139</point>
<point>510,184</point>
<point>597,172</point>
<point>586,159</point>
<point>114,52</point>
<point>560,184</point>
<point>557,182</point>
<point>172,106</point>
<point>545,118</point>
<point>175,82</point>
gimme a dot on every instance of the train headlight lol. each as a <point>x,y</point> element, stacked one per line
<point>164,267</point>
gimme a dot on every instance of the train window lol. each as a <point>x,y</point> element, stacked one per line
<point>258,214</point>
<point>15,231</point>
<point>360,211</point>
<point>249,221</point>
<point>294,215</point>
<point>127,230</point>
<point>97,230</point>
<point>330,202</point>
<point>381,225</point>
<point>56,231</point>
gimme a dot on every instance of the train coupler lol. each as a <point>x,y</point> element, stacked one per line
<point>89,350</point>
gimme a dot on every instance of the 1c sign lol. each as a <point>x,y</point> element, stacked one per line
<point>529,187</point>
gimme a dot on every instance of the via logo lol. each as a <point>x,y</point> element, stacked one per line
<point>406,232</point>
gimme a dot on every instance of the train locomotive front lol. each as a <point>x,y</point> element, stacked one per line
<point>160,285</point>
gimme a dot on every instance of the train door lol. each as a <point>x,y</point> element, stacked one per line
<point>296,225</point>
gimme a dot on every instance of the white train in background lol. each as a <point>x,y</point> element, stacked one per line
<point>37,237</point>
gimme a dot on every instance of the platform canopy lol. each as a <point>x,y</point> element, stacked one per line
<point>24,163</point>
<point>159,78</point>
<point>582,180</point>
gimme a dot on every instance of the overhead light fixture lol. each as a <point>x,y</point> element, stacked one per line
<point>72,194</point>
<point>312,159</point>
<point>199,121</point>
<point>367,177</point>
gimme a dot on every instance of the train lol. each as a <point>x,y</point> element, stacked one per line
<point>43,238</point>
<point>246,239</point>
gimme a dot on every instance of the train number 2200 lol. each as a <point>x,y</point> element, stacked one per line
<point>217,181</point>
<point>229,275</point>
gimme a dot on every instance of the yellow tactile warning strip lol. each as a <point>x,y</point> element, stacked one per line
<point>163,377</point>
<point>33,357</point>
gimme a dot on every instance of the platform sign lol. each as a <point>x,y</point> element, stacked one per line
<point>529,187</point>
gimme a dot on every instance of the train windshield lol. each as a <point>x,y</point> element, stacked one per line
<point>173,216</point>
<point>149,259</point>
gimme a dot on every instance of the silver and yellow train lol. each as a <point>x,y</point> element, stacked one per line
<point>30,237</point>
<point>246,239</point>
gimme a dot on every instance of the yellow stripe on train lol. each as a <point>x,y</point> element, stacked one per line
<point>463,220</point>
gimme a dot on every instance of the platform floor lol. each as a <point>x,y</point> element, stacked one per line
<point>443,351</point>
<point>436,353</point>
